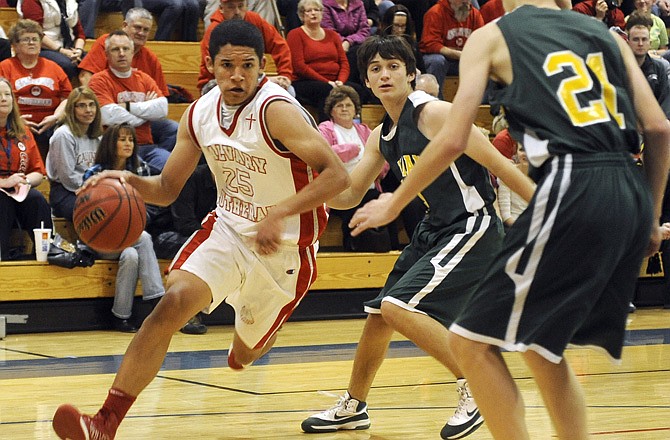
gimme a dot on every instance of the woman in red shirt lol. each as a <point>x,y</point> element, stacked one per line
<point>319,61</point>
<point>21,169</point>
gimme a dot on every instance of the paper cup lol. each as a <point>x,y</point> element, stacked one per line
<point>42,243</point>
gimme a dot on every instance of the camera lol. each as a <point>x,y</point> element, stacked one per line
<point>612,4</point>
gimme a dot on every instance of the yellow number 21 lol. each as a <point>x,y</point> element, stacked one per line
<point>597,110</point>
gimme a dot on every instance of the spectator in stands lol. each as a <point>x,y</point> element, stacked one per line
<point>72,150</point>
<point>40,85</point>
<point>130,96</point>
<point>491,10</point>
<point>196,200</point>
<point>639,37</point>
<point>88,12</point>
<point>348,139</point>
<point>373,15</point>
<point>447,26</point>
<point>173,15</point>
<point>348,19</point>
<point>137,25</point>
<point>275,44</point>
<point>63,39</point>
<point>428,83</point>
<point>658,34</point>
<point>319,61</point>
<point>398,21</point>
<point>606,11</point>
<point>264,8</point>
<point>418,9</point>
<point>21,169</point>
<point>118,150</point>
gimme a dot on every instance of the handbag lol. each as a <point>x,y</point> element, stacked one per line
<point>65,254</point>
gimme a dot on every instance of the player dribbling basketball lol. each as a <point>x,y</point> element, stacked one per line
<point>273,173</point>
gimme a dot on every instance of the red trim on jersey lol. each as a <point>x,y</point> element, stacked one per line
<point>196,240</point>
<point>191,131</point>
<point>229,131</point>
<point>264,130</point>
<point>306,276</point>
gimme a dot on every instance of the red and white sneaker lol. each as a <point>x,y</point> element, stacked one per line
<point>70,424</point>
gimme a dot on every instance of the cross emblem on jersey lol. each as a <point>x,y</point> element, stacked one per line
<point>251,120</point>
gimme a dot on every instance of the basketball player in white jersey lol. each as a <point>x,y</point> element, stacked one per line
<point>257,250</point>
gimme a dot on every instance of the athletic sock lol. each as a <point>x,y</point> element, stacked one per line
<point>116,406</point>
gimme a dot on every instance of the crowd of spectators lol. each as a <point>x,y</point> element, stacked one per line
<point>121,85</point>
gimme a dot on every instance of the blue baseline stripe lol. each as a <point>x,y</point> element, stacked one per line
<point>192,360</point>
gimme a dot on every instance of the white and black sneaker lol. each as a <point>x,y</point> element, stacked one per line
<point>348,413</point>
<point>466,419</point>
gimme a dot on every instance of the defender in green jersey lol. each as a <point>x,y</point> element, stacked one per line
<point>442,266</point>
<point>569,264</point>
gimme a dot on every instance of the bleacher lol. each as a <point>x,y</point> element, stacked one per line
<point>84,295</point>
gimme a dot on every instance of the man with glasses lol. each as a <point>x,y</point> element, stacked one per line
<point>137,25</point>
<point>130,96</point>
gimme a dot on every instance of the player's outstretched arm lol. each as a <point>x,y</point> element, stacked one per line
<point>165,188</point>
<point>656,131</point>
<point>450,135</point>
<point>363,175</point>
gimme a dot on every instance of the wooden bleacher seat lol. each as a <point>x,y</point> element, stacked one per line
<point>8,17</point>
<point>35,281</point>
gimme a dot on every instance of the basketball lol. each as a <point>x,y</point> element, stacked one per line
<point>109,216</point>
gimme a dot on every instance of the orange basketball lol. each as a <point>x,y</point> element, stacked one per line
<point>109,216</point>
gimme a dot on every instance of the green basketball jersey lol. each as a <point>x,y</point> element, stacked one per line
<point>568,93</point>
<point>463,190</point>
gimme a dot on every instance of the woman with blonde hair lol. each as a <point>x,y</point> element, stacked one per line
<point>72,149</point>
<point>21,169</point>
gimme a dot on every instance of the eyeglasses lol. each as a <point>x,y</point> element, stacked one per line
<point>85,105</point>
<point>399,26</point>
<point>28,40</point>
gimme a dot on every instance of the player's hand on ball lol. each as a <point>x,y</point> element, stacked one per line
<point>93,180</point>
<point>269,232</point>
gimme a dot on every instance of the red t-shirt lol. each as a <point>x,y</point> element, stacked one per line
<point>110,89</point>
<point>144,60</point>
<point>40,90</point>
<point>323,60</point>
<point>440,28</point>
<point>24,156</point>
<point>275,45</point>
<point>491,10</point>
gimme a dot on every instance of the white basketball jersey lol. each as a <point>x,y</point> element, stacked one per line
<point>252,172</point>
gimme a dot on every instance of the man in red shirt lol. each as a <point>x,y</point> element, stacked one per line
<point>137,25</point>
<point>446,28</point>
<point>275,44</point>
<point>130,96</point>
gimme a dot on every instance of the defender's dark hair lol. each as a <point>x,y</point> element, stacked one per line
<point>388,47</point>
<point>236,33</point>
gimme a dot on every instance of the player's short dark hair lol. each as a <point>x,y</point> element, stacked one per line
<point>388,47</point>
<point>236,33</point>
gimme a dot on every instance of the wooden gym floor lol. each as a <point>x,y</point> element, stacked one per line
<point>197,397</point>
